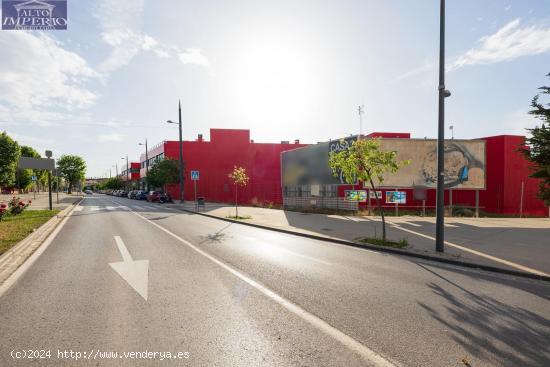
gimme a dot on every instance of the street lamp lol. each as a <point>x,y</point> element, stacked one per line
<point>452,128</point>
<point>181,150</point>
<point>122,172</point>
<point>146,165</point>
<point>443,93</point>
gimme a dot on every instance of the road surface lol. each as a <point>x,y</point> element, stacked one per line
<point>125,277</point>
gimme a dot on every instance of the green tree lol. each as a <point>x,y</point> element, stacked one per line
<point>72,168</point>
<point>538,149</point>
<point>25,175</point>
<point>9,157</point>
<point>239,178</point>
<point>163,173</point>
<point>365,162</point>
<point>113,183</point>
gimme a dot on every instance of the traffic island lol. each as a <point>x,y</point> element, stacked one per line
<point>381,242</point>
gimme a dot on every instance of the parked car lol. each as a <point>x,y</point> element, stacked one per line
<point>141,195</point>
<point>123,194</point>
<point>158,196</point>
<point>88,192</point>
<point>132,194</point>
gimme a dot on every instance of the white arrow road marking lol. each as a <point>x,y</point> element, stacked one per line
<point>134,272</point>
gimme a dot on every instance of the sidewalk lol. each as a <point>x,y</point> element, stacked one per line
<point>475,240</point>
<point>42,202</point>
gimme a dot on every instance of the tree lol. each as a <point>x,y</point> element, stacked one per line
<point>72,168</point>
<point>365,162</point>
<point>9,157</point>
<point>163,173</point>
<point>239,178</point>
<point>113,183</point>
<point>25,175</point>
<point>538,149</point>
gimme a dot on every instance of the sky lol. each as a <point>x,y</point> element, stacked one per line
<point>284,69</point>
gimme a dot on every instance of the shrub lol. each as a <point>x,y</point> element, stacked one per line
<point>17,206</point>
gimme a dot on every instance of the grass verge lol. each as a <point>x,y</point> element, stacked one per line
<point>380,242</point>
<point>239,217</point>
<point>15,228</point>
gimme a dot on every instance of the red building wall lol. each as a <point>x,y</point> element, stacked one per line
<point>506,168</point>
<point>216,158</point>
<point>134,172</point>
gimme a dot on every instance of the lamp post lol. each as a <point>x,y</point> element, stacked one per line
<point>361,111</point>
<point>443,93</point>
<point>146,164</point>
<point>452,128</point>
<point>127,170</point>
<point>181,151</point>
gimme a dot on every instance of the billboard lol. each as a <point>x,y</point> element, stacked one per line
<point>464,163</point>
<point>356,195</point>
<point>396,197</point>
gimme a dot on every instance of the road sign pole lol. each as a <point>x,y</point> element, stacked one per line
<point>50,188</point>
<point>196,204</point>
<point>57,185</point>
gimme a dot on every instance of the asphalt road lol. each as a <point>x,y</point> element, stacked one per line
<point>125,276</point>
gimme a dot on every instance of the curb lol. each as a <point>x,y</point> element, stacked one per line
<point>12,259</point>
<point>383,249</point>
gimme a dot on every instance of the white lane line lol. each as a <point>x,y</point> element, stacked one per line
<point>137,207</point>
<point>479,253</point>
<point>94,208</point>
<point>110,207</point>
<point>31,260</point>
<point>78,208</point>
<point>365,352</point>
<point>411,224</point>
<point>450,225</point>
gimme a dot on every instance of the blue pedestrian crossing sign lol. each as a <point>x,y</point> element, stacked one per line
<point>33,178</point>
<point>195,175</point>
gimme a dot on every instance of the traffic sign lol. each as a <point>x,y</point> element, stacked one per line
<point>33,178</point>
<point>195,175</point>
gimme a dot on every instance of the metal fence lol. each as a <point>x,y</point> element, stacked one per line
<point>319,202</point>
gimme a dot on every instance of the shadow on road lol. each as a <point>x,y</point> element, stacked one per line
<point>216,237</point>
<point>490,329</point>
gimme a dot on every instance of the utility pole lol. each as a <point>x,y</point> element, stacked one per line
<point>146,164</point>
<point>443,93</point>
<point>181,151</point>
<point>181,155</point>
<point>127,170</point>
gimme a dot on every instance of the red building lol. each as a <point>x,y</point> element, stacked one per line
<point>509,189</point>
<point>507,171</point>
<point>216,158</point>
<point>132,175</point>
